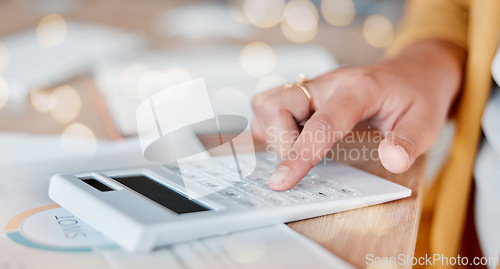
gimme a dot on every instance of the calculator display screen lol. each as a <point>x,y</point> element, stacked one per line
<point>160,194</point>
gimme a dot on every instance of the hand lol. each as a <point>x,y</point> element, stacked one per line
<point>408,97</point>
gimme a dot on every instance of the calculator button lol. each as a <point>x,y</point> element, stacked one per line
<point>276,199</point>
<point>347,191</point>
<point>212,184</point>
<point>324,182</point>
<point>230,193</point>
<point>189,172</point>
<point>299,196</point>
<point>325,194</point>
<point>197,165</point>
<point>251,202</point>
<point>305,185</point>
<point>253,189</point>
<point>258,179</point>
<point>321,182</point>
<point>192,177</point>
<point>236,182</point>
<point>217,173</point>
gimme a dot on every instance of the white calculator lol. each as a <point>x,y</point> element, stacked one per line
<point>152,206</point>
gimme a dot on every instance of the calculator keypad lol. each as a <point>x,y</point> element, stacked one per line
<point>252,192</point>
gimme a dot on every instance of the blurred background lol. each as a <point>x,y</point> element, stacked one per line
<point>82,67</point>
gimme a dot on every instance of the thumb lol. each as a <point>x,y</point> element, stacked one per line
<point>412,135</point>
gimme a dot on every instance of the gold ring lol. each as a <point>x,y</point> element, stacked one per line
<point>301,83</point>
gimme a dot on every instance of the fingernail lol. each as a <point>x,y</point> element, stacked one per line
<point>405,153</point>
<point>279,176</point>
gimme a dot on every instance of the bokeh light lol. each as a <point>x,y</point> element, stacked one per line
<point>300,23</point>
<point>237,12</point>
<point>264,13</point>
<point>51,31</point>
<point>269,82</point>
<point>4,57</point>
<point>378,31</point>
<point>150,83</point>
<point>4,92</point>
<point>258,59</point>
<point>79,139</point>
<point>338,12</point>
<point>43,101</point>
<point>68,104</point>
<point>129,78</point>
<point>177,75</point>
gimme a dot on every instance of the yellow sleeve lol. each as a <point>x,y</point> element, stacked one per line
<point>432,19</point>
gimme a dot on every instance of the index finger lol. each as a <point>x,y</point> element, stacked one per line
<point>328,125</point>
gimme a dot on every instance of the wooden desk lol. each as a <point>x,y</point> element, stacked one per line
<point>386,230</point>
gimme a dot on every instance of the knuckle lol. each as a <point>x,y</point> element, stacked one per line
<point>262,101</point>
<point>421,100</point>
<point>366,75</point>
<point>293,154</point>
<point>367,72</point>
<point>269,106</point>
<point>363,76</point>
<point>283,113</point>
<point>258,100</point>
<point>265,105</point>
